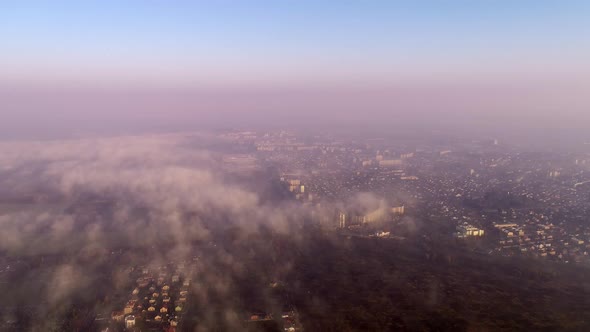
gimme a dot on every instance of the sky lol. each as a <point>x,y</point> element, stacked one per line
<point>77,66</point>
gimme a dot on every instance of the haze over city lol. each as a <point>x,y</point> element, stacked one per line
<point>294,166</point>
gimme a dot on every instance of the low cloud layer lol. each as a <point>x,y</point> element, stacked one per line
<point>95,208</point>
<point>82,199</point>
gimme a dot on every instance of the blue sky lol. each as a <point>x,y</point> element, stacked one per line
<point>239,34</point>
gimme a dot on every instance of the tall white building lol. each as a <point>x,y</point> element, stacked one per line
<point>129,321</point>
<point>342,220</point>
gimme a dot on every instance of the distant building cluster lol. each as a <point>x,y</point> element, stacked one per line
<point>158,300</point>
<point>466,230</point>
<point>512,201</point>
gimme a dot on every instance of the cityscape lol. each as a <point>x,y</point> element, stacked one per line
<point>498,199</point>
<point>484,198</point>
<point>294,166</point>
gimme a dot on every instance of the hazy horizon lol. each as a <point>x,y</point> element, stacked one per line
<point>71,68</point>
